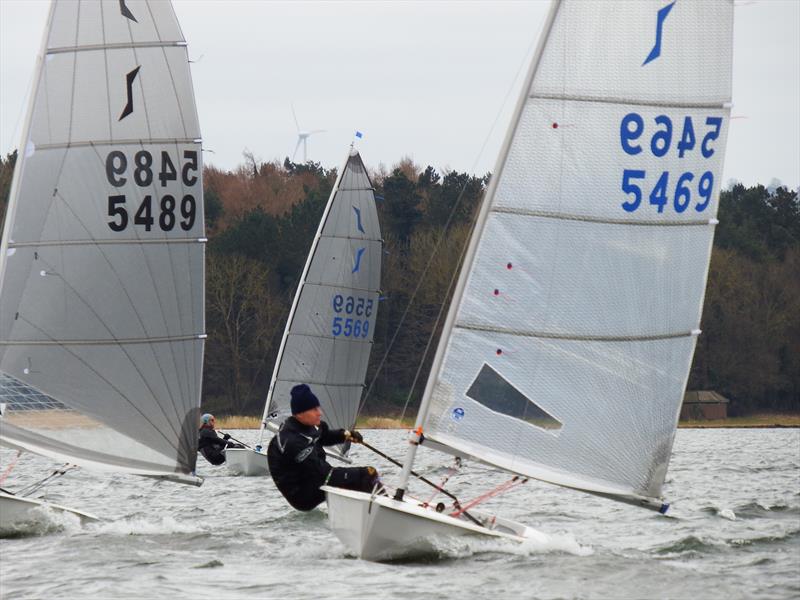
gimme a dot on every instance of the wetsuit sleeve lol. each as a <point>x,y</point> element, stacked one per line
<point>328,437</point>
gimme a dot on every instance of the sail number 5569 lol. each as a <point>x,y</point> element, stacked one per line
<point>349,326</point>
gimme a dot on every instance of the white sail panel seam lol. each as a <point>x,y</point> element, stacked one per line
<point>106,342</point>
<point>328,337</point>
<point>586,338</point>
<point>629,101</point>
<point>589,219</point>
<point>105,242</point>
<point>325,383</point>
<point>129,142</point>
<point>99,47</point>
<point>331,285</point>
<point>347,237</point>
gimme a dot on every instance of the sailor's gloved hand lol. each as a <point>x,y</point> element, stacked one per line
<point>226,436</point>
<point>354,436</point>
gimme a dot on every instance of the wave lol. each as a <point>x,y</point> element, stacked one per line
<point>210,564</point>
<point>443,548</point>
<point>166,525</point>
<point>42,520</point>
<point>694,546</point>
<point>751,510</point>
<point>691,545</point>
<point>767,540</point>
<point>725,513</point>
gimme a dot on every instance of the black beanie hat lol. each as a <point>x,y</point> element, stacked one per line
<point>303,399</point>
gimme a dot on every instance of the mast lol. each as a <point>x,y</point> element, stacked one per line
<point>470,253</point>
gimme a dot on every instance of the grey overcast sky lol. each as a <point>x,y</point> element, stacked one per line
<point>435,81</point>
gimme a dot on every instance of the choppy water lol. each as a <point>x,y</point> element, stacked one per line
<point>734,533</point>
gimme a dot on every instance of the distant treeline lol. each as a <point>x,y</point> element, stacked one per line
<point>261,219</point>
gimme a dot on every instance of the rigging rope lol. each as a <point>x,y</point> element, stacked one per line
<point>34,487</point>
<point>503,487</point>
<point>10,467</point>
<point>438,488</point>
<point>435,252</point>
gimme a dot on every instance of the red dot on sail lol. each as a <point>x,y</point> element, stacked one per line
<point>555,125</point>
<point>497,292</point>
<point>508,266</point>
<point>499,352</point>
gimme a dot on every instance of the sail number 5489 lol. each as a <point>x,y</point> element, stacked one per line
<point>167,211</point>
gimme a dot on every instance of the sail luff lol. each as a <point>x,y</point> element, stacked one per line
<point>473,243</point>
<point>298,291</point>
<point>22,148</point>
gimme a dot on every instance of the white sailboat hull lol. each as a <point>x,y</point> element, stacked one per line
<point>243,461</point>
<point>17,513</point>
<point>381,528</point>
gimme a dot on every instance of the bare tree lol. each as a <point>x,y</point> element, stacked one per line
<point>244,317</point>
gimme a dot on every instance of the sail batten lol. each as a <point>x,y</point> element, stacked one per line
<point>632,101</point>
<point>572,217</point>
<point>568,343</point>
<point>119,46</point>
<point>100,342</point>
<point>97,242</point>
<point>577,338</point>
<point>142,141</point>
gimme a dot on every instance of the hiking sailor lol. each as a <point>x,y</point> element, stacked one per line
<point>210,445</point>
<point>297,458</point>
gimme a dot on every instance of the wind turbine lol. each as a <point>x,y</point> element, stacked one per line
<point>302,138</point>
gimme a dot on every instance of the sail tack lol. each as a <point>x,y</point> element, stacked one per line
<point>581,299</point>
<point>101,273</point>
<point>328,337</point>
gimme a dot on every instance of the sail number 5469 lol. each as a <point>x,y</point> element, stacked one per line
<point>663,188</point>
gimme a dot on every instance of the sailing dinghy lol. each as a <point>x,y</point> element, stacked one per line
<point>569,339</point>
<point>328,336</point>
<point>102,321</point>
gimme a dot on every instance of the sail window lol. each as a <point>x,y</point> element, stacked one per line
<point>20,396</point>
<point>497,394</point>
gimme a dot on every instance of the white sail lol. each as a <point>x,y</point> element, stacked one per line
<point>570,337</point>
<point>328,336</point>
<point>101,266</point>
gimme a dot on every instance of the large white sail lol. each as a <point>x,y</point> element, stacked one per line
<point>329,332</point>
<point>101,266</point>
<point>569,341</point>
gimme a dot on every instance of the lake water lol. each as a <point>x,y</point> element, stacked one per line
<point>734,533</point>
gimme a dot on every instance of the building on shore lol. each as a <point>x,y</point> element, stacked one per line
<point>704,405</point>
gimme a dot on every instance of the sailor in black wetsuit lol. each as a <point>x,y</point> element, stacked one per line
<point>297,458</point>
<point>210,445</point>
